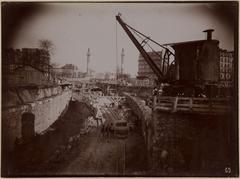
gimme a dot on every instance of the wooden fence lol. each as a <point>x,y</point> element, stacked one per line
<point>193,105</point>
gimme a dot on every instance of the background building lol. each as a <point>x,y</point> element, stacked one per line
<point>226,68</point>
<point>146,82</point>
<point>70,71</point>
<point>82,74</point>
<point>109,76</point>
<point>144,70</point>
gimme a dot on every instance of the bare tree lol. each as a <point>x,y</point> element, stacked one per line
<point>46,45</point>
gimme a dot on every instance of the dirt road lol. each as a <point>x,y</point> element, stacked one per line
<point>101,156</point>
<point>108,156</point>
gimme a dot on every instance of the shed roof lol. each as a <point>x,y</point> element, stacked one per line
<point>190,42</point>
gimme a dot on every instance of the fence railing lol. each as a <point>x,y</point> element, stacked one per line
<point>198,105</point>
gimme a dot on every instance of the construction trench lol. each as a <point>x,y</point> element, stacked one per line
<point>64,150</point>
<point>176,146</point>
<point>177,116</point>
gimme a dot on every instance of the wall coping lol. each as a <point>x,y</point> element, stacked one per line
<point>31,104</point>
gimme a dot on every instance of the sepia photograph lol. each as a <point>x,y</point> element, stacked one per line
<point>119,89</point>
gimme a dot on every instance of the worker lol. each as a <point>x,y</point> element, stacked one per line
<point>103,130</point>
<point>107,130</point>
<point>101,120</point>
<point>160,91</point>
<point>111,130</point>
<point>155,91</point>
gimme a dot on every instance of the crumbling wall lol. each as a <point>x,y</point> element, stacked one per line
<point>143,112</point>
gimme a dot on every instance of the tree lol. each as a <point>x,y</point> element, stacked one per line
<point>46,45</point>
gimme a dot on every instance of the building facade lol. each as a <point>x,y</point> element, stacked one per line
<point>226,68</point>
<point>82,74</point>
<point>70,71</point>
<point>144,70</point>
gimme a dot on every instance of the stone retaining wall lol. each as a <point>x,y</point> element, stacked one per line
<point>45,104</point>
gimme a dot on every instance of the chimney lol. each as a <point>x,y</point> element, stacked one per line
<point>209,33</point>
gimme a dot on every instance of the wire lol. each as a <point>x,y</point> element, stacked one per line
<point>146,43</point>
<point>149,38</point>
<point>116,52</point>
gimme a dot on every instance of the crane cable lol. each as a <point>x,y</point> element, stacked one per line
<point>116,61</point>
<point>149,38</point>
<point>116,33</point>
<point>146,43</point>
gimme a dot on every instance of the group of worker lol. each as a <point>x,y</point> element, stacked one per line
<point>107,130</point>
<point>157,91</point>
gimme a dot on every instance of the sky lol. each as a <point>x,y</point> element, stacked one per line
<point>75,27</point>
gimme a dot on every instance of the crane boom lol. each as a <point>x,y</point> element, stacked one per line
<point>145,55</point>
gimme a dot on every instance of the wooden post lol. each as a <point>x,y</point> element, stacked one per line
<point>175,105</point>
<point>154,101</point>
<point>191,103</point>
<point>124,156</point>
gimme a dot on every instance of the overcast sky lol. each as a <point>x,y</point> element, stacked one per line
<point>75,27</point>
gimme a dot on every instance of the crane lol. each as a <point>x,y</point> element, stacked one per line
<point>162,73</point>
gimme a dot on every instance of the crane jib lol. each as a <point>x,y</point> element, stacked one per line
<point>145,55</point>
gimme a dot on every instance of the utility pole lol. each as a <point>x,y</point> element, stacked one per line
<point>122,58</point>
<point>88,60</point>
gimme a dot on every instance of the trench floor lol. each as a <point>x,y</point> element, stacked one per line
<point>65,150</point>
